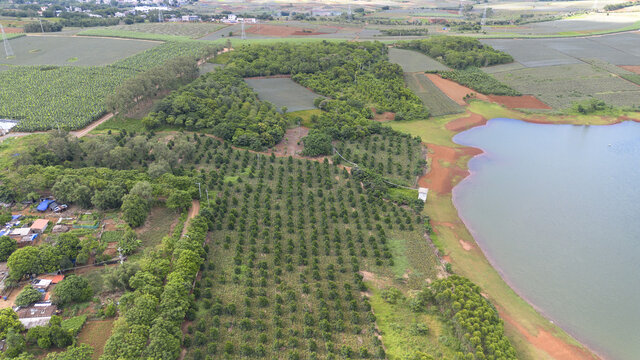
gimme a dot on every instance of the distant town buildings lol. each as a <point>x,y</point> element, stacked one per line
<point>233,19</point>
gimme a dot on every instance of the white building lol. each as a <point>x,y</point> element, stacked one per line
<point>422,194</point>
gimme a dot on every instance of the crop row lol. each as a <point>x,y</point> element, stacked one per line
<point>46,97</point>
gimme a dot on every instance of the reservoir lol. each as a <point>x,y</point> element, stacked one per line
<point>556,209</point>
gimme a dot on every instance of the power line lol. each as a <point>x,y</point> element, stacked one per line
<point>357,166</point>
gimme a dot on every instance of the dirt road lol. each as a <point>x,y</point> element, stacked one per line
<point>195,210</point>
<point>77,133</point>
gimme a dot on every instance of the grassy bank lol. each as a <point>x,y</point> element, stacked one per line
<point>534,336</point>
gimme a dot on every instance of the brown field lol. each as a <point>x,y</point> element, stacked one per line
<point>519,102</point>
<point>465,123</point>
<point>11,30</point>
<point>280,30</point>
<point>632,68</point>
<point>96,333</point>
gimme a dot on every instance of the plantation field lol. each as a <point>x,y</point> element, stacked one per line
<point>580,24</point>
<point>432,97</point>
<point>124,34</point>
<point>50,50</point>
<point>560,86</point>
<point>396,158</point>
<point>283,92</point>
<point>45,97</point>
<point>190,30</point>
<point>282,278</point>
<point>618,49</point>
<point>413,61</point>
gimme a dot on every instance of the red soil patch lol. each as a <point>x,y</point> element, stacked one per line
<point>291,144</point>
<point>9,30</point>
<point>454,90</point>
<point>465,245</point>
<point>444,174</point>
<point>547,342</point>
<point>519,102</point>
<point>457,93</point>
<point>632,68</point>
<point>465,123</point>
<point>385,116</point>
<point>274,30</point>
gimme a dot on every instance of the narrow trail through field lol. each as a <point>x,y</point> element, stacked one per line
<point>195,210</point>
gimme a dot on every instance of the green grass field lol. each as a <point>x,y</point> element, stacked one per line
<point>284,92</point>
<point>413,61</point>
<point>128,34</point>
<point>157,226</point>
<point>562,85</point>
<point>433,98</point>
<point>56,50</point>
<point>96,333</point>
<point>180,29</point>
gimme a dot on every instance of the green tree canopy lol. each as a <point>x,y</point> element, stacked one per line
<point>9,321</point>
<point>7,247</point>
<point>28,296</point>
<point>72,289</point>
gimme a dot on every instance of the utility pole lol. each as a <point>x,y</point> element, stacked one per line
<point>7,47</point>
<point>207,191</point>
<point>199,190</point>
<point>41,28</point>
<point>244,35</point>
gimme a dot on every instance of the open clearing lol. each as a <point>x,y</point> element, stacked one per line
<point>560,86</point>
<point>96,333</point>
<point>283,92</point>
<point>413,61</point>
<point>432,97</point>
<point>58,50</point>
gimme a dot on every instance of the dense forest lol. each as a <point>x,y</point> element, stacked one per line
<point>222,102</point>
<point>458,52</point>
<point>356,73</point>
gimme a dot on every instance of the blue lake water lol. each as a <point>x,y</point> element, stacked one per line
<point>556,209</point>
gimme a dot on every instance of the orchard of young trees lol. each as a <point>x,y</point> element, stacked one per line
<point>458,52</point>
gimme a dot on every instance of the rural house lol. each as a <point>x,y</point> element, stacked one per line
<point>37,314</point>
<point>39,226</point>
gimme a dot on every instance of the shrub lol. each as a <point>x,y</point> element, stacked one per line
<point>28,296</point>
<point>74,324</point>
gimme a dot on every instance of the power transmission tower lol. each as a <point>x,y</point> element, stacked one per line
<point>7,47</point>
